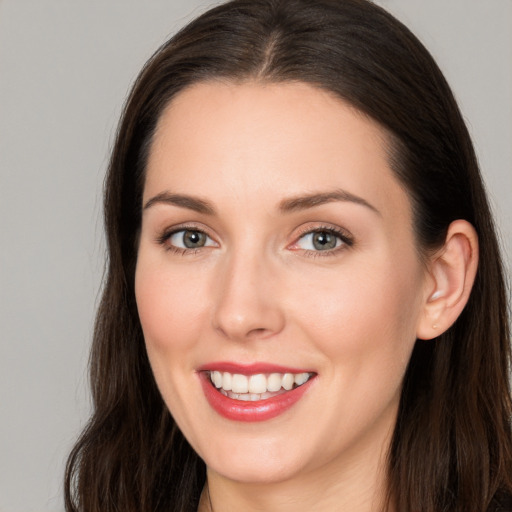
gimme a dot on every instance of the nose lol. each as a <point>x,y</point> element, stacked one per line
<point>248,304</point>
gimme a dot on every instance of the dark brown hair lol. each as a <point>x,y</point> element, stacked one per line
<point>451,449</point>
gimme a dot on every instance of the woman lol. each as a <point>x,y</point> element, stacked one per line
<point>305,306</point>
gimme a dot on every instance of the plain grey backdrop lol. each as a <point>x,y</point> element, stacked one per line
<point>65,68</point>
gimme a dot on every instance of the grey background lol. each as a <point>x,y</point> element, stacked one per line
<point>65,68</point>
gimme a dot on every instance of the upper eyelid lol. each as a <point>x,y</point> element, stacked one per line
<point>337,230</point>
<point>166,233</point>
<point>345,236</point>
<point>187,226</point>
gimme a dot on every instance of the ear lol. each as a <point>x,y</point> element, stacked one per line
<point>452,271</point>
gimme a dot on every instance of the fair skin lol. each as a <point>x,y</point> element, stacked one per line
<point>238,262</point>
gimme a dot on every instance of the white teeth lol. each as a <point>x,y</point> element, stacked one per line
<point>288,380</point>
<point>300,378</point>
<point>226,381</point>
<point>256,387</point>
<point>239,383</point>
<point>257,383</point>
<point>274,382</point>
<point>217,379</point>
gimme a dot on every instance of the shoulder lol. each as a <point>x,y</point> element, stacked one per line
<point>502,502</point>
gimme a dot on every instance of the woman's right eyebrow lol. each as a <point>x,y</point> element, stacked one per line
<point>183,201</point>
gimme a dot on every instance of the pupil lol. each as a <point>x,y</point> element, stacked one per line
<point>193,239</point>
<point>324,240</point>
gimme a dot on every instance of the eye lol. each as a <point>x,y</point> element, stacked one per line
<point>189,239</point>
<point>322,240</point>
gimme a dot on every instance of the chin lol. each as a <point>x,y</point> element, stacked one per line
<point>261,472</point>
<point>254,460</point>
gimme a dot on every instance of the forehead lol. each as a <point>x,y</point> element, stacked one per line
<point>263,141</point>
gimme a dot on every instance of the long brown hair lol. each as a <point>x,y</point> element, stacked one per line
<point>451,449</point>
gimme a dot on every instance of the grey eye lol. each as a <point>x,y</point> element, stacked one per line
<point>324,240</point>
<point>190,239</point>
<point>319,241</point>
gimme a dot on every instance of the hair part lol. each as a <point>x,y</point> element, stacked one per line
<point>451,449</point>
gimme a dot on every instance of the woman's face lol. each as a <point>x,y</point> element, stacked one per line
<point>277,247</point>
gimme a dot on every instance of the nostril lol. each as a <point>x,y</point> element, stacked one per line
<point>257,332</point>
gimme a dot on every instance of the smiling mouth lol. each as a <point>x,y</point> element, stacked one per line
<point>256,387</point>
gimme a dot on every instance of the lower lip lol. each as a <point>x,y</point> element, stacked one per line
<point>260,410</point>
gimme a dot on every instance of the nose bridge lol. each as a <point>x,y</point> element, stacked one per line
<point>246,306</point>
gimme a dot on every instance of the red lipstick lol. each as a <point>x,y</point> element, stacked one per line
<point>250,369</point>
<point>250,411</point>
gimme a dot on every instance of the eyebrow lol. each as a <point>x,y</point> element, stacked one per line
<point>292,204</point>
<point>183,201</point>
<point>316,199</point>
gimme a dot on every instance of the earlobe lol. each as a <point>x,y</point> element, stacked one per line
<point>452,271</point>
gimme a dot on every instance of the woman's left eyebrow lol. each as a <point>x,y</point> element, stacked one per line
<point>306,201</point>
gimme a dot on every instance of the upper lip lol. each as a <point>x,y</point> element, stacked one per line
<point>250,368</point>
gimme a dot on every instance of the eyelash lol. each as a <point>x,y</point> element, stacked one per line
<point>346,239</point>
<point>164,238</point>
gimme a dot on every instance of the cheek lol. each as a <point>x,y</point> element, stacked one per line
<point>170,307</point>
<point>368,310</point>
